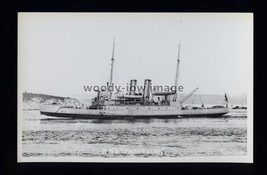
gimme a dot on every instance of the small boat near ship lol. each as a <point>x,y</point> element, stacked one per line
<point>146,104</point>
<point>239,107</point>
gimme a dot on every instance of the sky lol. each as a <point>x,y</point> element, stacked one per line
<point>59,53</point>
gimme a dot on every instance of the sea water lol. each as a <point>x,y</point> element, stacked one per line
<point>44,136</point>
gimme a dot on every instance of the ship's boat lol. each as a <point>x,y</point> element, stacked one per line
<point>146,104</point>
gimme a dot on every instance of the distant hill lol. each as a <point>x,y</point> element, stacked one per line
<point>215,99</point>
<point>32,101</point>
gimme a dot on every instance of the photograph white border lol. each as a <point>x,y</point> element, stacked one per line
<point>210,159</point>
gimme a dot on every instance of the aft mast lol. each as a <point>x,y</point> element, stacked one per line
<point>177,72</point>
<point>112,64</point>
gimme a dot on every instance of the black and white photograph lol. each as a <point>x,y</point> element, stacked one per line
<point>135,87</point>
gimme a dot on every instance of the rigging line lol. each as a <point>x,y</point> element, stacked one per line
<point>200,99</point>
<point>194,99</point>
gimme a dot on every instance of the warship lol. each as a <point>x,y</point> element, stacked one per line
<point>146,104</point>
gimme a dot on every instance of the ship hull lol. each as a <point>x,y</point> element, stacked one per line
<point>130,112</point>
<point>88,116</point>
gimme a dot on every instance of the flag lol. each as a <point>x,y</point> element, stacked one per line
<point>226,99</point>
